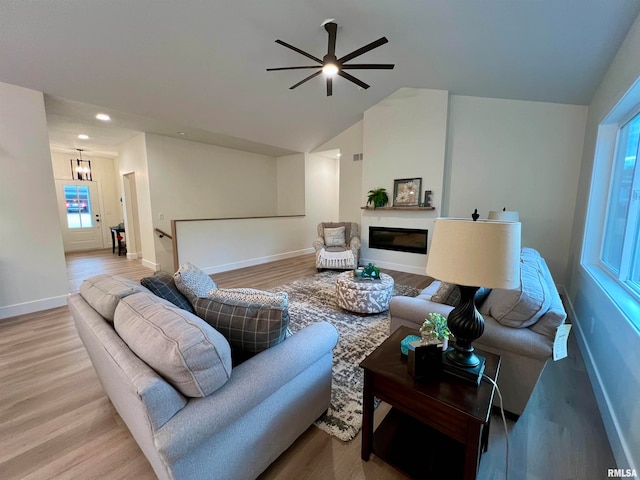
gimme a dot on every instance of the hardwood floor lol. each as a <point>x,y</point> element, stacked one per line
<point>56,422</point>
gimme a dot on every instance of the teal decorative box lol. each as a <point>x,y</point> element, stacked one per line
<point>404,344</point>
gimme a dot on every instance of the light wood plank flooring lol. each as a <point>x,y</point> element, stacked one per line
<point>56,422</point>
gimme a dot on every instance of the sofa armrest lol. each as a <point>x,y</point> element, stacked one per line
<point>318,244</point>
<point>250,384</point>
<point>415,309</point>
<point>354,245</point>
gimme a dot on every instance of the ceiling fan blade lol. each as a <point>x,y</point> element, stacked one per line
<point>329,86</point>
<point>369,66</point>
<point>353,79</point>
<point>292,68</point>
<point>301,52</point>
<point>306,79</point>
<point>362,50</point>
<point>331,28</point>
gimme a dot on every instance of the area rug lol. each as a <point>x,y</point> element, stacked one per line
<point>313,300</point>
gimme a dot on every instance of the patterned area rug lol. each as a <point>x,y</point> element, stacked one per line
<point>312,300</point>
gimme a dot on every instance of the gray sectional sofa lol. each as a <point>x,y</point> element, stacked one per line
<point>192,413</point>
<point>520,325</point>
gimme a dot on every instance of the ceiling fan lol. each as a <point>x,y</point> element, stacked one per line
<point>330,65</point>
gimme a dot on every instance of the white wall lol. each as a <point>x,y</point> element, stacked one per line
<point>133,159</point>
<point>521,155</point>
<point>290,185</point>
<point>32,264</point>
<point>104,175</point>
<point>196,180</point>
<point>242,242</point>
<point>607,339</point>
<point>404,136</point>
<point>349,143</point>
<point>191,180</point>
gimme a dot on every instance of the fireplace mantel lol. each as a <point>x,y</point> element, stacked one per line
<point>398,208</point>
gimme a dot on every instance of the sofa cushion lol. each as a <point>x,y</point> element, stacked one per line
<point>181,347</point>
<point>521,307</point>
<point>192,281</point>
<point>335,237</point>
<point>163,285</point>
<point>103,292</point>
<point>249,327</point>
<point>251,295</point>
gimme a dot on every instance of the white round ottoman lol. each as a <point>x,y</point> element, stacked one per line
<point>364,295</point>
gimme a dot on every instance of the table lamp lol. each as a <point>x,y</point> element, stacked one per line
<point>472,254</point>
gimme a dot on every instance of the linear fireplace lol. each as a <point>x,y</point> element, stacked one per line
<point>410,240</point>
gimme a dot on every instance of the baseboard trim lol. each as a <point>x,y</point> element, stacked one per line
<point>256,261</point>
<point>399,267</point>
<point>149,264</point>
<point>32,307</point>
<point>618,443</point>
<point>132,256</point>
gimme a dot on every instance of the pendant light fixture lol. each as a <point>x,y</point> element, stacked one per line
<point>82,168</point>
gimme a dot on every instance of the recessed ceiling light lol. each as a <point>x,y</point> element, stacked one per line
<point>82,136</point>
<point>103,116</point>
<point>180,133</point>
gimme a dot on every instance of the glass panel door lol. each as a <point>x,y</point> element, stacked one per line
<point>79,207</point>
<point>78,204</point>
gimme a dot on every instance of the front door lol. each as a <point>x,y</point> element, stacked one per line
<point>79,209</point>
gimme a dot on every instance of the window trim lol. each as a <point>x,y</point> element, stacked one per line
<point>622,296</point>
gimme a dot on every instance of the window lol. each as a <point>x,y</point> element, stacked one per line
<point>620,253</point>
<point>78,204</point>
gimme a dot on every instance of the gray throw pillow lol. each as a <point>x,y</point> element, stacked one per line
<point>192,281</point>
<point>251,295</point>
<point>449,294</point>
<point>334,237</point>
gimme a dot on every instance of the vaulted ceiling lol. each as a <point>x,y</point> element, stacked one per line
<point>199,67</point>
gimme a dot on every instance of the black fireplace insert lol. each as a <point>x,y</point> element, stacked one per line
<point>410,240</point>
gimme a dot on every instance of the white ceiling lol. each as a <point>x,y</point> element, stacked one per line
<point>199,66</point>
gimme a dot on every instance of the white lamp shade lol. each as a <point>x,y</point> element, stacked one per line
<point>476,254</point>
<point>504,216</point>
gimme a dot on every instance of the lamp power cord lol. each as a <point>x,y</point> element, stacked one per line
<point>504,422</point>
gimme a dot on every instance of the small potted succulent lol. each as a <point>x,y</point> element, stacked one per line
<point>371,272</point>
<point>435,330</point>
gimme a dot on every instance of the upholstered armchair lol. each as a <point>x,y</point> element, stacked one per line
<point>337,245</point>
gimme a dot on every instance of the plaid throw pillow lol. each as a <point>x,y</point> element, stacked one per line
<point>163,285</point>
<point>248,327</point>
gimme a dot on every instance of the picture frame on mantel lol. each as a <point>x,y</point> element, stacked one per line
<point>406,192</point>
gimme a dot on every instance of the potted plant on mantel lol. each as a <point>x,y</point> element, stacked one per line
<point>378,197</point>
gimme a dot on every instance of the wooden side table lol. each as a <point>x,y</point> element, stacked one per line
<point>437,427</point>
<point>115,231</point>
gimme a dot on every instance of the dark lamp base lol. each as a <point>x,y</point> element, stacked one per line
<point>468,374</point>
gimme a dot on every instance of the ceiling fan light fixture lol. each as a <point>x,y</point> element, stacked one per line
<point>330,69</point>
<point>331,66</point>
